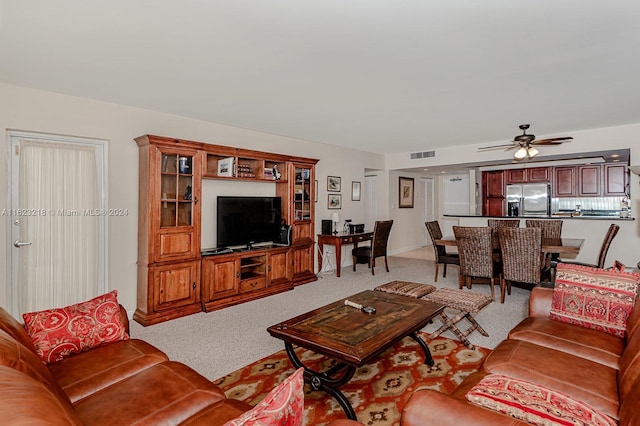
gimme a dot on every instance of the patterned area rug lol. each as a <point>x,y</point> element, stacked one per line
<point>377,392</point>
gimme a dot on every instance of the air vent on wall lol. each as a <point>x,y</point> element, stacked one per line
<point>423,154</point>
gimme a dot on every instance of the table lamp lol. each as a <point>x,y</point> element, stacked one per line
<point>335,218</point>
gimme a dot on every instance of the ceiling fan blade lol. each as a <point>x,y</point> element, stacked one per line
<point>508,146</point>
<point>552,141</point>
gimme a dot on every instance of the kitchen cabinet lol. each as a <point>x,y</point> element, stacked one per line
<point>589,180</point>
<point>493,194</point>
<point>564,181</point>
<point>529,175</point>
<point>615,179</point>
<point>539,175</point>
<point>493,207</point>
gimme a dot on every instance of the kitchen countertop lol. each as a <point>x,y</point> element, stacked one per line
<point>553,216</point>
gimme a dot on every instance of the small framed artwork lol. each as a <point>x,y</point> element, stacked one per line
<point>335,201</point>
<point>355,191</point>
<point>316,190</point>
<point>405,192</point>
<point>334,184</point>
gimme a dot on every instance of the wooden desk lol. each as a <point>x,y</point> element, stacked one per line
<point>338,240</point>
<point>549,245</point>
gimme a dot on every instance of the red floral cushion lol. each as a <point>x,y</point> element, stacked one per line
<point>283,406</point>
<point>594,298</point>
<point>533,403</point>
<point>58,333</point>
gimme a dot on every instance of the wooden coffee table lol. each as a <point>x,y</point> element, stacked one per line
<point>353,337</point>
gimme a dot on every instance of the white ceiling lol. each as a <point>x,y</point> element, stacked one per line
<point>376,75</point>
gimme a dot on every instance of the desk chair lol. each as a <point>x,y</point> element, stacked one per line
<point>378,246</point>
<point>441,255</point>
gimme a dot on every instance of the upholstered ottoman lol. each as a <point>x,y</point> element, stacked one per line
<point>465,301</point>
<point>406,288</point>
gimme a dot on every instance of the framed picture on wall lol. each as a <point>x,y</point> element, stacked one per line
<point>334,184</point>
<point>335,201</point>
<point>355,191</point>
<point>405,192</point>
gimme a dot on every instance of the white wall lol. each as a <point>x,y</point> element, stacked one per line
<point>38,111</point>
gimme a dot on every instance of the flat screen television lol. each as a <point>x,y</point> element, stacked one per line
<point>247,220</point>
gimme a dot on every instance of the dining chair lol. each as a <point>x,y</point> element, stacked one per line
<point>551,228</point>
<point>476,256</point>
<point>608,238</point>
<point>377,248</point>
<point>440,251</point>
<point>496,224</point>
<point>522,257</point>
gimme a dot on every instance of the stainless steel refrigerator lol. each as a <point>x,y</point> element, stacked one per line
<point>529,199</point>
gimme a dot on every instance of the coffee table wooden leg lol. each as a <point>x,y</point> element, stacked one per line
<point>428,359</point>
<point>324,380</point>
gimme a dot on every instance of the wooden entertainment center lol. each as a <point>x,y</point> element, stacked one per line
<point>174,278</point>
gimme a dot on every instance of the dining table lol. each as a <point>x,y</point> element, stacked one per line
<point>549,245</point>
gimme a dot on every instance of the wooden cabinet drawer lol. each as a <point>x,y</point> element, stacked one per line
<point>253,284</point>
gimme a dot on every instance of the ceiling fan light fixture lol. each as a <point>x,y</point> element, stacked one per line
<point>532,152</point>
<point>520,153</point>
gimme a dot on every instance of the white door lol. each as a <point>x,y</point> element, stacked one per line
<point>57,221</point>
<point>371,201</point>
<point>429,209</point>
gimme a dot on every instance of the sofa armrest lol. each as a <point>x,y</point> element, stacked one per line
<point>540,302</point>
<point>125,319</point>
<point>430,407</point>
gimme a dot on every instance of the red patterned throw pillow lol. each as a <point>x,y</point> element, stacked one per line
<point>594,298</point>
<point>533,403</point>
<point>283,406</point>
<point>58,333</point>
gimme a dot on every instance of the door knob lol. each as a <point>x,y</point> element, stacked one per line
<point>19,243</point>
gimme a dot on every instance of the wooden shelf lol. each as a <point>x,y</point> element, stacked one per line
<point>173,278</point>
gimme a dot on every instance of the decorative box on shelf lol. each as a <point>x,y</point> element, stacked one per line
<point>225,166</point>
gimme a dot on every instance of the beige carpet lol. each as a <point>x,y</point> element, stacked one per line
<point>219,342</point>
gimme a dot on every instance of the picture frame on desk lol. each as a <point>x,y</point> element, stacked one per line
<point>334,201</point>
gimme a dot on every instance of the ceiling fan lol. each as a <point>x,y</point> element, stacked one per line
<point>525,144</point>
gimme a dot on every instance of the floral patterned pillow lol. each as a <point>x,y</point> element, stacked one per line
<point>594,298</point>
<point>58,333</point>
<point>283,406</point>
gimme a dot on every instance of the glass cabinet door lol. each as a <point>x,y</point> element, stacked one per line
<point>176,186</point>
<point>302,194</point>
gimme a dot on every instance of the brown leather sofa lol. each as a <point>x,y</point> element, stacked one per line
<point>127,382</point>
<point>588,365</point>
